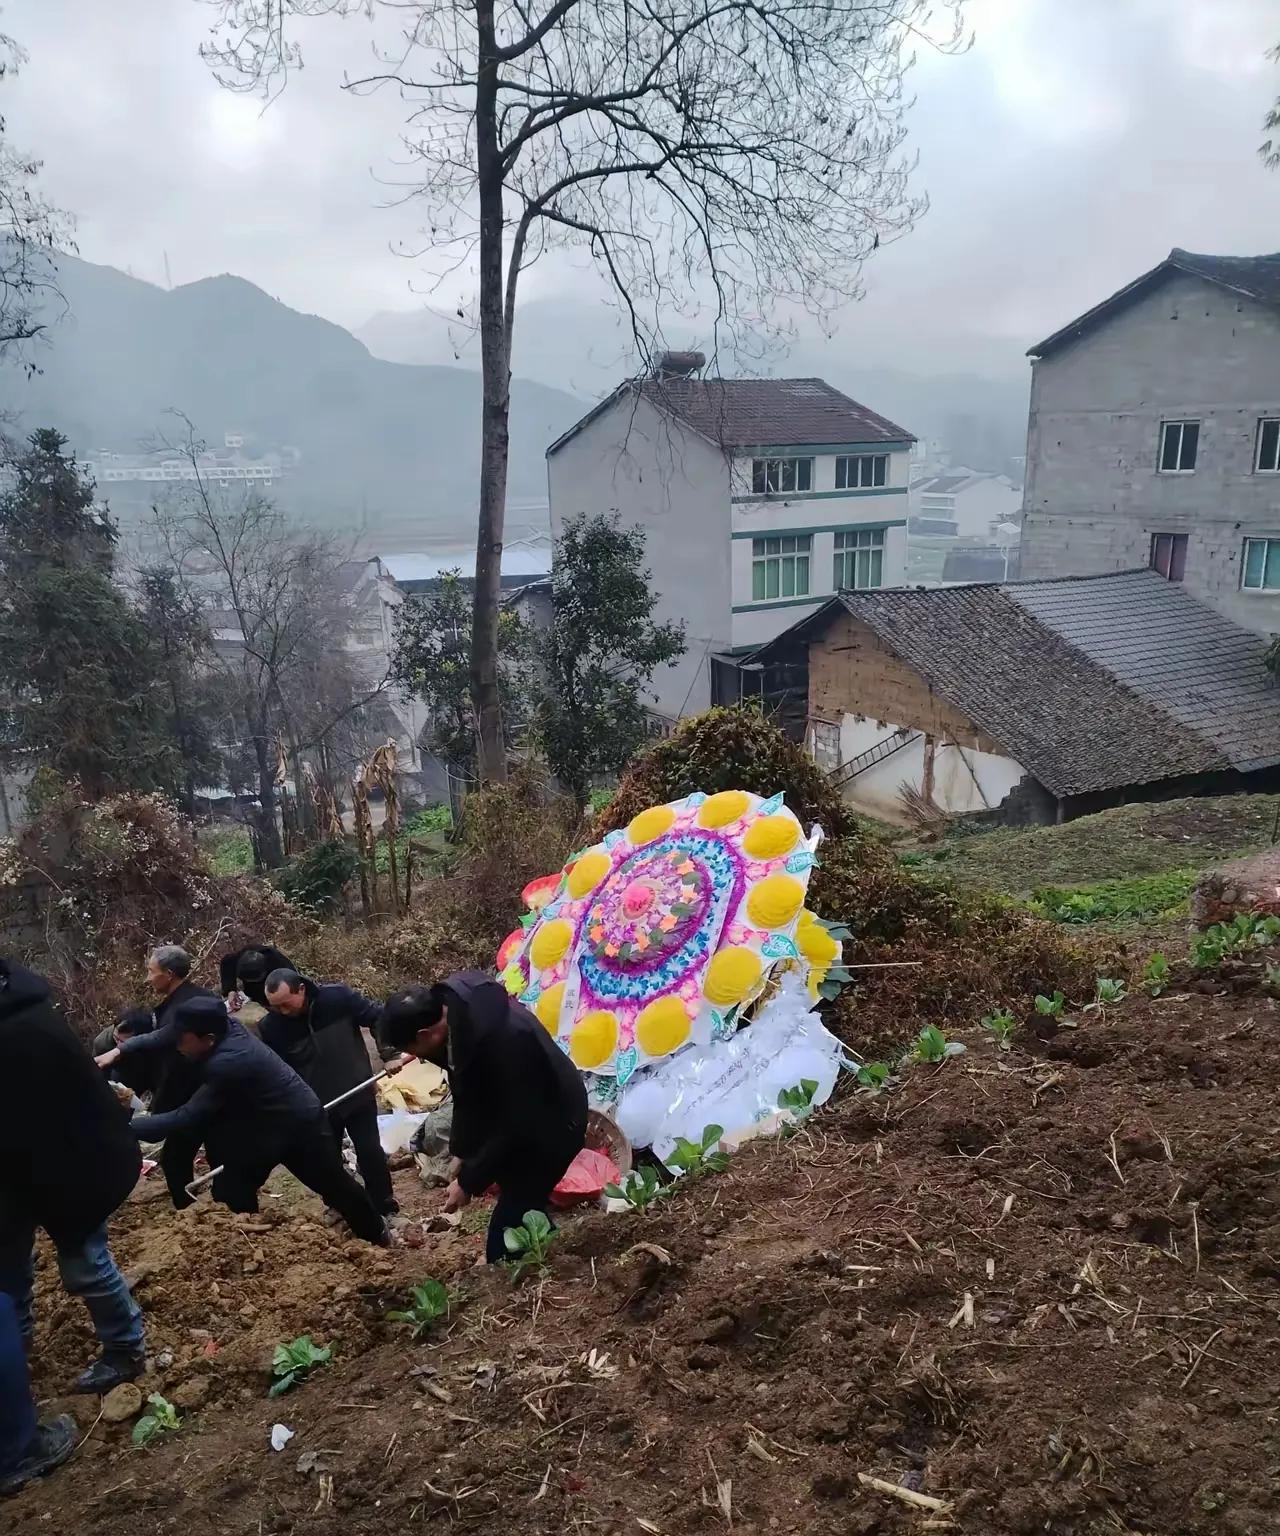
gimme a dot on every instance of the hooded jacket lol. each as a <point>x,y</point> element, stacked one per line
<point>229,982</point>
<point>67,1159</point>
<point>253,1102</point>
<point>519,1107</point>
<point>324,1044</point>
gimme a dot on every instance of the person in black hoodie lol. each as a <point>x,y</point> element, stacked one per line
<point>67,1160</point>
<point>246,970</point>
<point>169,977</point>
<point>318,1030</point>
<point>257,1112</point>
<point>519,1107</point>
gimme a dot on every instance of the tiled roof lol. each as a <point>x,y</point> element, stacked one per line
<point>758,413</point>
<point>1256,277</point>
<point>1091,682</point>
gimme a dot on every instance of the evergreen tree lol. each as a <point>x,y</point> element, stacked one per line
<point>603,648</point>
<point>78,675</point>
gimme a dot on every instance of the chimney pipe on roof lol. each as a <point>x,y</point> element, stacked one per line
<point>679,365</point>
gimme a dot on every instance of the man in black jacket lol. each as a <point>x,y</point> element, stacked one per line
<point>246,970</point>
<point>519,1107</point>
<point>169,977</point>
<point>318,1030</point>
<point>67,1161</point>
<point>257,1112</point>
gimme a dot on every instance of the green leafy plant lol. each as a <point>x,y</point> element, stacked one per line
<point>1116,901</point>
<point>872,1076</point>
<point>314,880</point>
<point>1050,1007</point>
<point>695,1157</point>
<point>1001,1026</point>
<point>640,1188</point>
<point>295,1361</point>
<point>429,1302</point>
<point>1111,989</point>
<point>931,1046</point>
<point>530,1242</point>
<point>1244,932</point>
<point>162,1420</point>
<point>1155,975</point>
<point>798,1101</point>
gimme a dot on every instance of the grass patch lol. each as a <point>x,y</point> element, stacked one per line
<point>228,849</point>
<point>1116,901</point>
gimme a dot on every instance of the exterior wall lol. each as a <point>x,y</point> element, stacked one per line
<point>640,463</point>
<point>820,512</point>
<point>855,680</point>
<point>976,507</point>
<point>1093,496</point>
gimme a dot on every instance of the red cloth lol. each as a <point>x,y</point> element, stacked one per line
<point>585,1178</point>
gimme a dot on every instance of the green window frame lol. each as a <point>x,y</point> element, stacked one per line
<point>1260,568</point>
<point>859,560</point>
<point>861,471</point>
<point>773,477</point>
<point>780,567</point>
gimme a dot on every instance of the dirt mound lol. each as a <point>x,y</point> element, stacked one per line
<point>1040,1286</point>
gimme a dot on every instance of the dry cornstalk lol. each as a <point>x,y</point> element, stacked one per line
<point>906,1495</point>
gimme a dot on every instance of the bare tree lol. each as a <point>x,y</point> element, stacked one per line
<point>275,600</point>
<point>737,159</point>
<point>1269,149</point>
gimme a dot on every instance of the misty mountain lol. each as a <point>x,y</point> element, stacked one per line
<point>979,420</point>
<point>389,448</point>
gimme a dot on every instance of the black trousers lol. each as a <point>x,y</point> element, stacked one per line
<point>178,1164</point>
<point>362,1127</point>
<point>313,1158</point>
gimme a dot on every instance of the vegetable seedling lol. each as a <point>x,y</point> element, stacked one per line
<point>294,1362</point>
<point>1001,1026</point>
<point>872,1076</point>
<point>162,1420</point>
<point>530,1242</point>
<point>695,1157</point>
<point>799,1099</point>
<point>641,1189</point>
<point>932,1046</point>
<point>1155,976</point>
<point>429,1302</point>
<point>1111,989</point>
<point>1050,1007</point>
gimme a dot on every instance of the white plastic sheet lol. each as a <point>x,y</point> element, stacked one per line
<point>733,1083</point>
<point>395,1130</point>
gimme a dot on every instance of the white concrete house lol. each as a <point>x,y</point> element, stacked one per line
<point>760,498</point>
<point>975,502</point>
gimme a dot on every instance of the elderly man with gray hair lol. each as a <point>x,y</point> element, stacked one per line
<point>169,977</point>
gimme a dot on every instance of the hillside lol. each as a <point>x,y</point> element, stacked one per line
<point>390,445</point>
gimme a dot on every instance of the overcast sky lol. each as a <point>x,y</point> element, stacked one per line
<point>1069,150</point>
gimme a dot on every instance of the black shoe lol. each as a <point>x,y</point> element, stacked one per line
<point>113,1368</point>
<point>50,1446</point>
<point>392,1208</point>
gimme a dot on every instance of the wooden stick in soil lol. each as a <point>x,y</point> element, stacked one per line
<point>906,1495</point>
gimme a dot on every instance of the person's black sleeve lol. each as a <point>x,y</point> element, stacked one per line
<point>227,981</point>
<point>201,1108</point>
<point>368,1015</point>
<point>514,1068</point>
<point>158,1040</point>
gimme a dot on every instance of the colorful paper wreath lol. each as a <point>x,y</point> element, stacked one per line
<point>665,931</point>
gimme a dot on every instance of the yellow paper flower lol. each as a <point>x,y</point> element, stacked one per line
<point>513,979</point>
<point>730,977</point>
<point>548,1007</point>
<point>662,1026</point>
<point>594,1038</point>
<point>719,810</point>
<point>816,944</point>
<point>588,872</point>
<point>774,902</point>
<point>771,837</point>
<point>651,824</point>
<point>816,978</point>
<point>550,943</point>
<point>806,917</point>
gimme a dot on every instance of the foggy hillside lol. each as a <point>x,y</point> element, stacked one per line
<point>386,446</point>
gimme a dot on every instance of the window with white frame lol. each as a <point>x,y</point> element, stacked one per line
<point>1260,571</point>
<point>770,476</point>
<point>859,559</point>
<point>860,472</point>
<point>1267,461</point>
<point>780,566</point>
<point>1179,441</point>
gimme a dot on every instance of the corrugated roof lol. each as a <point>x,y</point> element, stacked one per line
<point>757,413</point>
<point>1255,277</point>
<point>1090,682</point>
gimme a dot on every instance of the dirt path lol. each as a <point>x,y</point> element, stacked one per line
<point>1042,1287</point>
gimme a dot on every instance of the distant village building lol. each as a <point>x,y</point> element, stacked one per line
<point>1032,702</point>
<point>962,525</point>
<point>1154,435</point>
<point>760,498</point>
<point>222,470</point>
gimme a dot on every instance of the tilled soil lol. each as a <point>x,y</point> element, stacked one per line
<point>1040,1287</point>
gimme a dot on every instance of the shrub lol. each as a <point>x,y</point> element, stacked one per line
<point>316,878</point>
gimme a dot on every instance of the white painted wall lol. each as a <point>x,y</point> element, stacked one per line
<point>876,789</point>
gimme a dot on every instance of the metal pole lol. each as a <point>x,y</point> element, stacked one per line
<point>196,1185</point>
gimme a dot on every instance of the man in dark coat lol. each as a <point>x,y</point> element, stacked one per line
<point>519,1107</point>
<point>141,1073</point>
<point>319,1031</point>
<point>255,1109</point>
<point>169,977</point>
<point>67,1160</point>
<point>246,970</point>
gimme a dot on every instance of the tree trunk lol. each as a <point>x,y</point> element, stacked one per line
<point>495,370</point>
<point>272,849</point>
